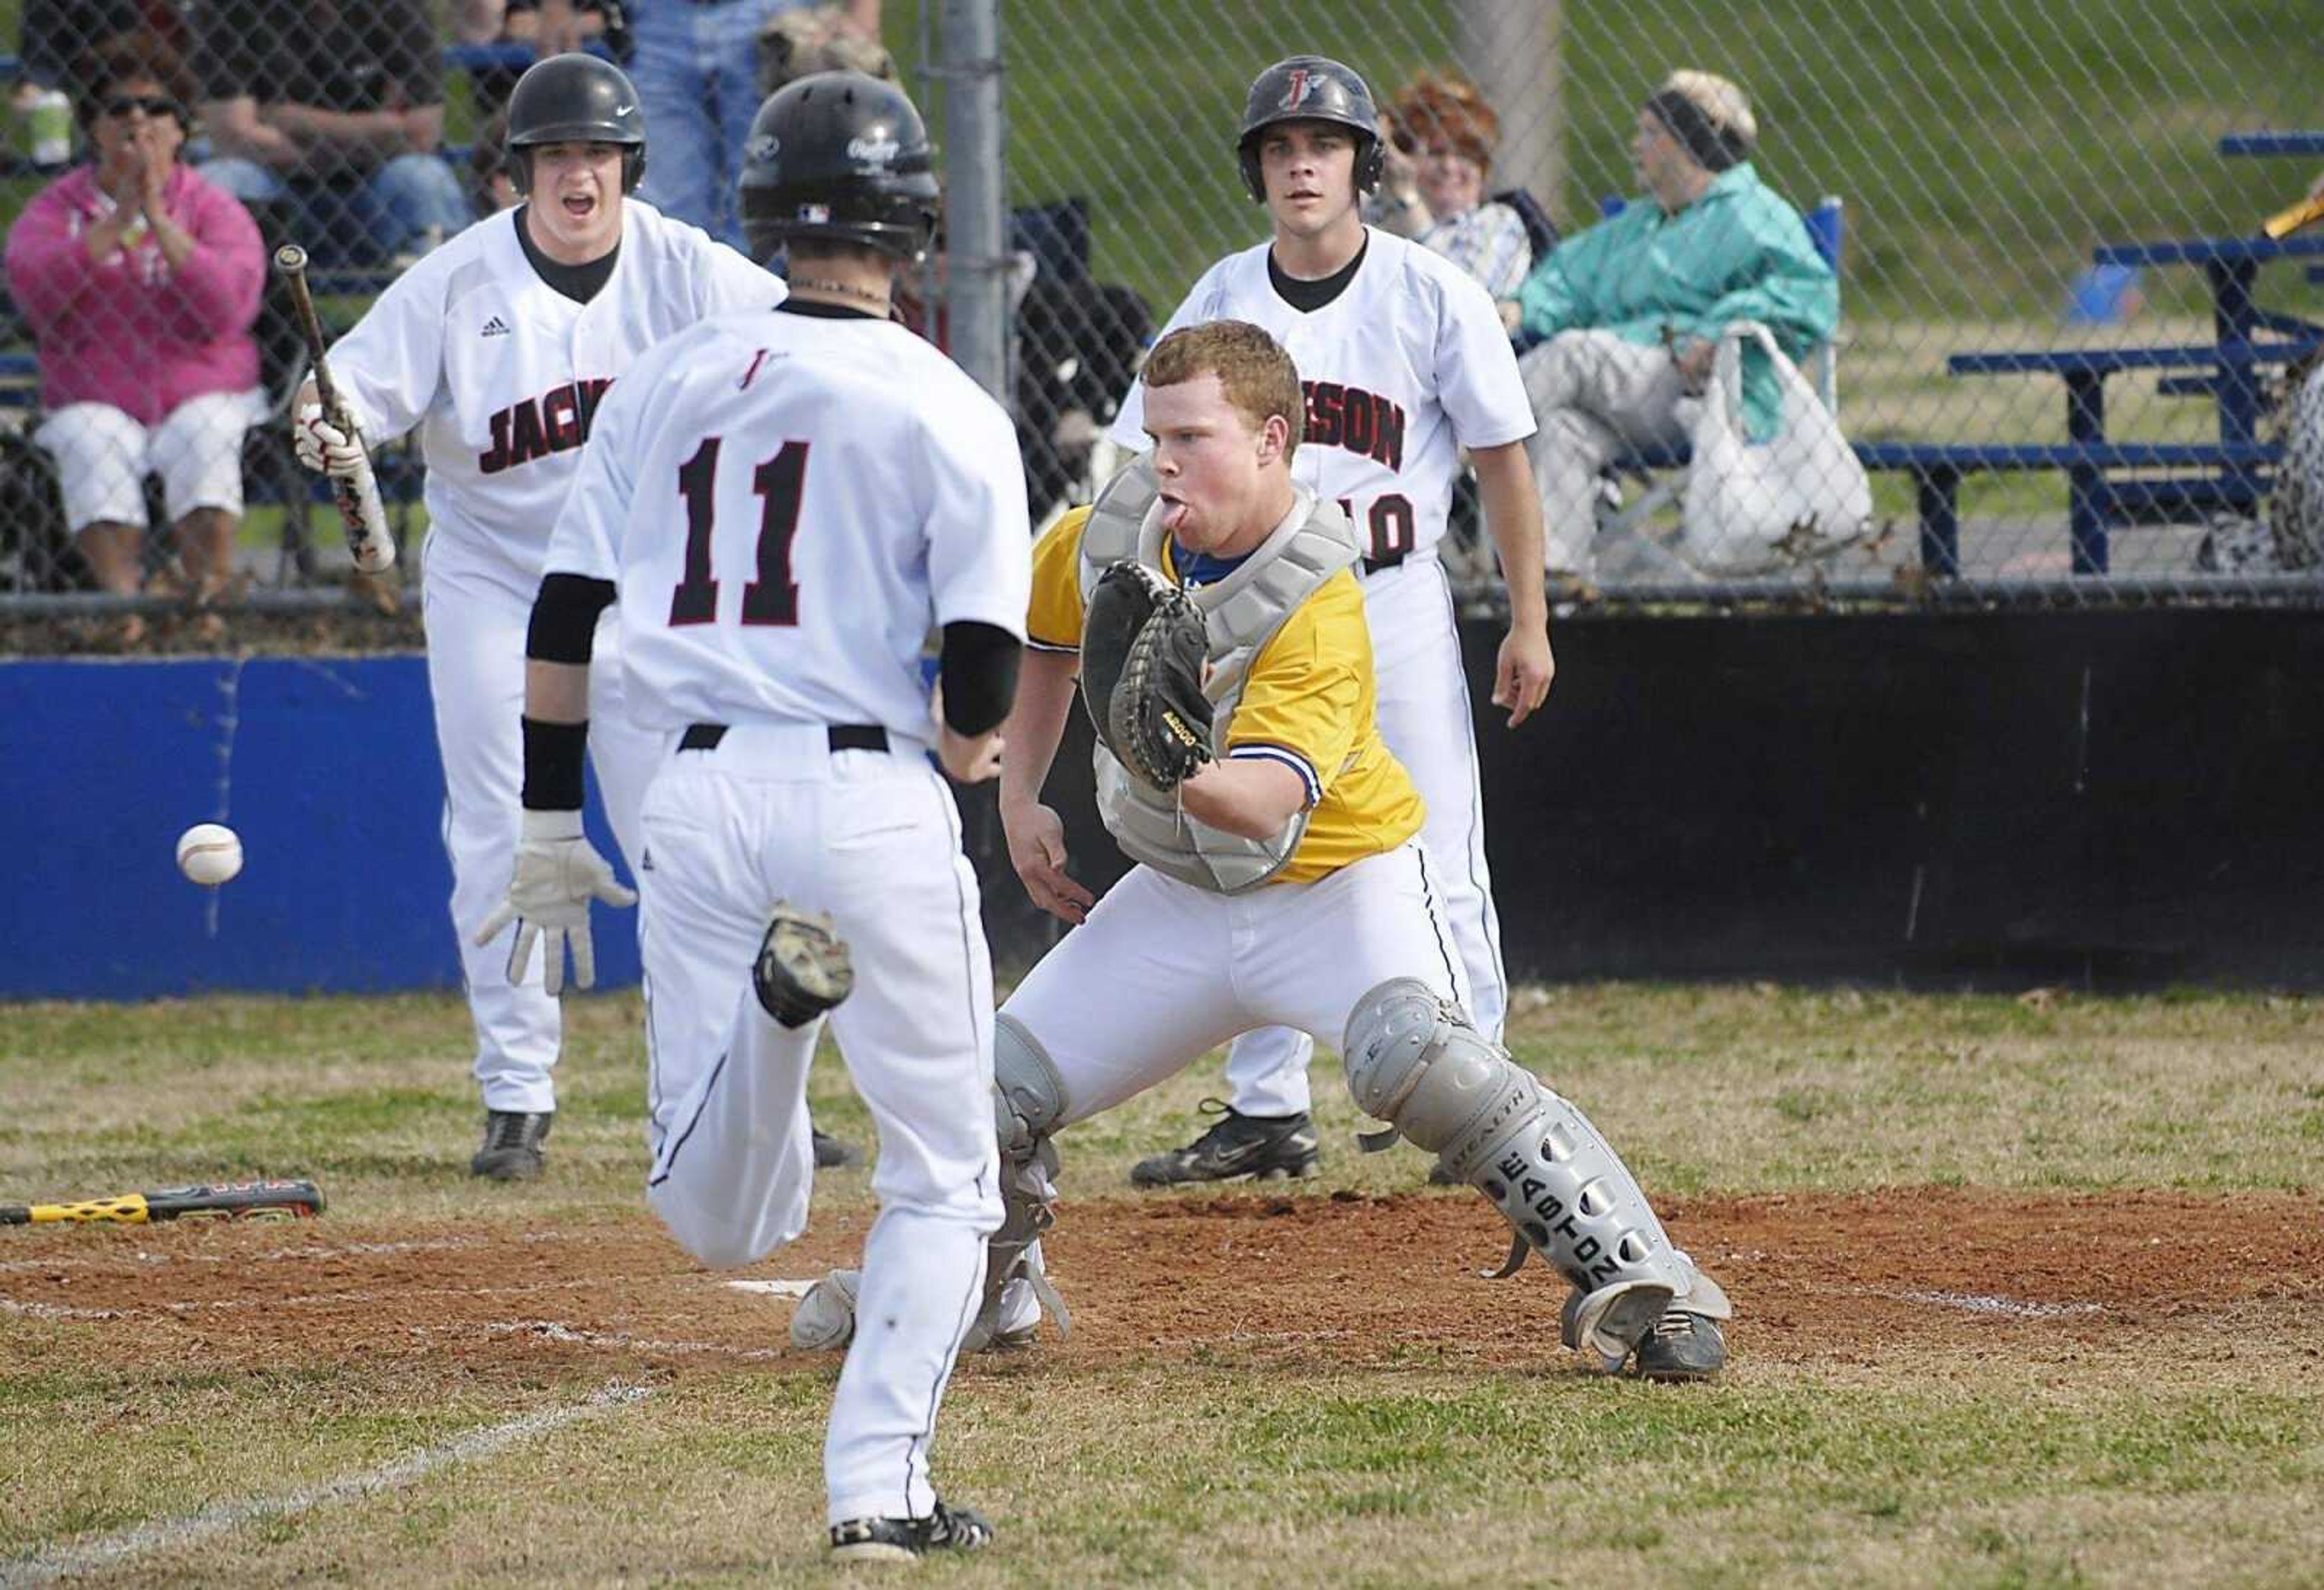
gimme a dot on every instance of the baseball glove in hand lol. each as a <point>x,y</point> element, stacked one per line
<point>1143,647</point>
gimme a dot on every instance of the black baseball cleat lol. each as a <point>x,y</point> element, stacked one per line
<point>830,1153</point>
<point>903,1540</point>
<point>511,1147</point>
<point>1266,1147</point>
<point>1680,1346</point>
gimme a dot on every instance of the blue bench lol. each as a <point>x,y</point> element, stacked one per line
<point>2268,143</point>
<point>2099,499</point>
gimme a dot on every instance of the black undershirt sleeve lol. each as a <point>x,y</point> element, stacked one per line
<point>980,675</point>
<point>564,628</point>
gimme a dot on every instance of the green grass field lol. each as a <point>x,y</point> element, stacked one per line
<point>237,1409</point>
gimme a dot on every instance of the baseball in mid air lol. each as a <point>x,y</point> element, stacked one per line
<point>209,853</point>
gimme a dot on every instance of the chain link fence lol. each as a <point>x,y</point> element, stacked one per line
<point>2063,355</point>
<point>2068,365</point>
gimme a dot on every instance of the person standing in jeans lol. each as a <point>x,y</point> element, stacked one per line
<point>696,63</point>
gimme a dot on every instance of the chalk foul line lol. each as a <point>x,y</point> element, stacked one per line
<point>46,1567</point>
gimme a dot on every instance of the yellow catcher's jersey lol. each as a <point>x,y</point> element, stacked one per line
<point>1306,704</point>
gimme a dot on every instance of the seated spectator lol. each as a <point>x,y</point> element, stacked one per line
<point>551,27</point>
<point>696,63</point>
<point>1631,309</point>
<point>335,111</point>
<point>140,281</point>
<point>1439,150</point>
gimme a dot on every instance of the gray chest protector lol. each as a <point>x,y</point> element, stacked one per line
<point>1241,614</point>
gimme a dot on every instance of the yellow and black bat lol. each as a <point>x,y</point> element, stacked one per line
<point>230,1200</point>
<point>2284,223</point>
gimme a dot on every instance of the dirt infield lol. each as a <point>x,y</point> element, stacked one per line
<point>1816,1279</point>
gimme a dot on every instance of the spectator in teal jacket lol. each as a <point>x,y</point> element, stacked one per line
<point>1631,309</point>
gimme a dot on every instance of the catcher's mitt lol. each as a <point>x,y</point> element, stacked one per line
<point>1143,647</point>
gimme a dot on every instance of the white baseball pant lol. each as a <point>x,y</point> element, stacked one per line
<point>476,614</point>
<point>1162,972</point>
<point>1425,716</point>
<point>873,837</point>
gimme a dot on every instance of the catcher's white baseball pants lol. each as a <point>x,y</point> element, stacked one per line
<point>1162,972</point>
<point>873,837</point>
<point>1425,716</point>
<point>475,617</point>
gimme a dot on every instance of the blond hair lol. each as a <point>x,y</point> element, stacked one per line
<point>1255,374</point>
<point>1723,104</point>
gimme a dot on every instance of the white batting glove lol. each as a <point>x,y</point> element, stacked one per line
<point>325,448</point>
<point>557,873</point>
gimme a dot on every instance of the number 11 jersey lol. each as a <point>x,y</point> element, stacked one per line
<point>786,502</point>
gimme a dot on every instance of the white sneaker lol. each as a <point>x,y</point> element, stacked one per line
<point>824,1320</point>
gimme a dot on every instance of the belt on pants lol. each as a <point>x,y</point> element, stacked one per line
<point>842,737</point>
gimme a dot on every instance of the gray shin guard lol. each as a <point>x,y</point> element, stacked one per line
<point>1028,1102</point>
<point>1414,1062</point>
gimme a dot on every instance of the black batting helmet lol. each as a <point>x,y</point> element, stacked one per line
<point>1310,88</point>
<point>838,155</point>
<point>576,98</point>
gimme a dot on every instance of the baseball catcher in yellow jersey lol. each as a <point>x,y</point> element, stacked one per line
<point>1279,879</point>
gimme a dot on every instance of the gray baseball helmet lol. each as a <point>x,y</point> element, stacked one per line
<point>1310,88</point>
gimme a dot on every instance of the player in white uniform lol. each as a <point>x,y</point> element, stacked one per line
<point>781,504</point>
<point>499,348</point>
<point>1405,364</point>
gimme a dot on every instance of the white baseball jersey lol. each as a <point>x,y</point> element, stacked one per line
<point>1405,367</point>
<point>502,373</point>
<point>783,533</point>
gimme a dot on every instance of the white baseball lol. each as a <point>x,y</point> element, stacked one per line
<point>209,853</point>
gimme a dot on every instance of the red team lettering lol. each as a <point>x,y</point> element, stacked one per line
<point>558,421</point>
<point>1359,421</point>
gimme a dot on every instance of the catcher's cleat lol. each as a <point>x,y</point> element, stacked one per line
<point>1680,1346</point>
<point>803,969</point>
<point>902,1539</point>
<point>830,1153</point>
<point>1265,1147</point>
<point>512,1146</point>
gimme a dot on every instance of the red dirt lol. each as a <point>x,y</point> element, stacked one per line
<point>1343,1278</point>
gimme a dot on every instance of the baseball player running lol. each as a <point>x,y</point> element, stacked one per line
<point>781,504</point>
<point>1278,876</point>
<point>499,348</point>
<point>1404,364</point>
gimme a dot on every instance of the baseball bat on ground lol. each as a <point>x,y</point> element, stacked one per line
<point>228,1200</point>
<point>359,507</point>
<point>2285,222</point>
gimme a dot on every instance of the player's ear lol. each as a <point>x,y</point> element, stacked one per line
<point>1274,439</point>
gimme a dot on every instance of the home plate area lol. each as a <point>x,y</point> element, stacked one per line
<point>1344,1278</point>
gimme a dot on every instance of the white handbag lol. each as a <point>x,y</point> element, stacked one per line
<point>1757,507</point>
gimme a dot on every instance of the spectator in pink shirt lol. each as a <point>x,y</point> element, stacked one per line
<point>140,281</point>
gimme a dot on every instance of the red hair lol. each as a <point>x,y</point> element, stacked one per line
<point>1443,109</point>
